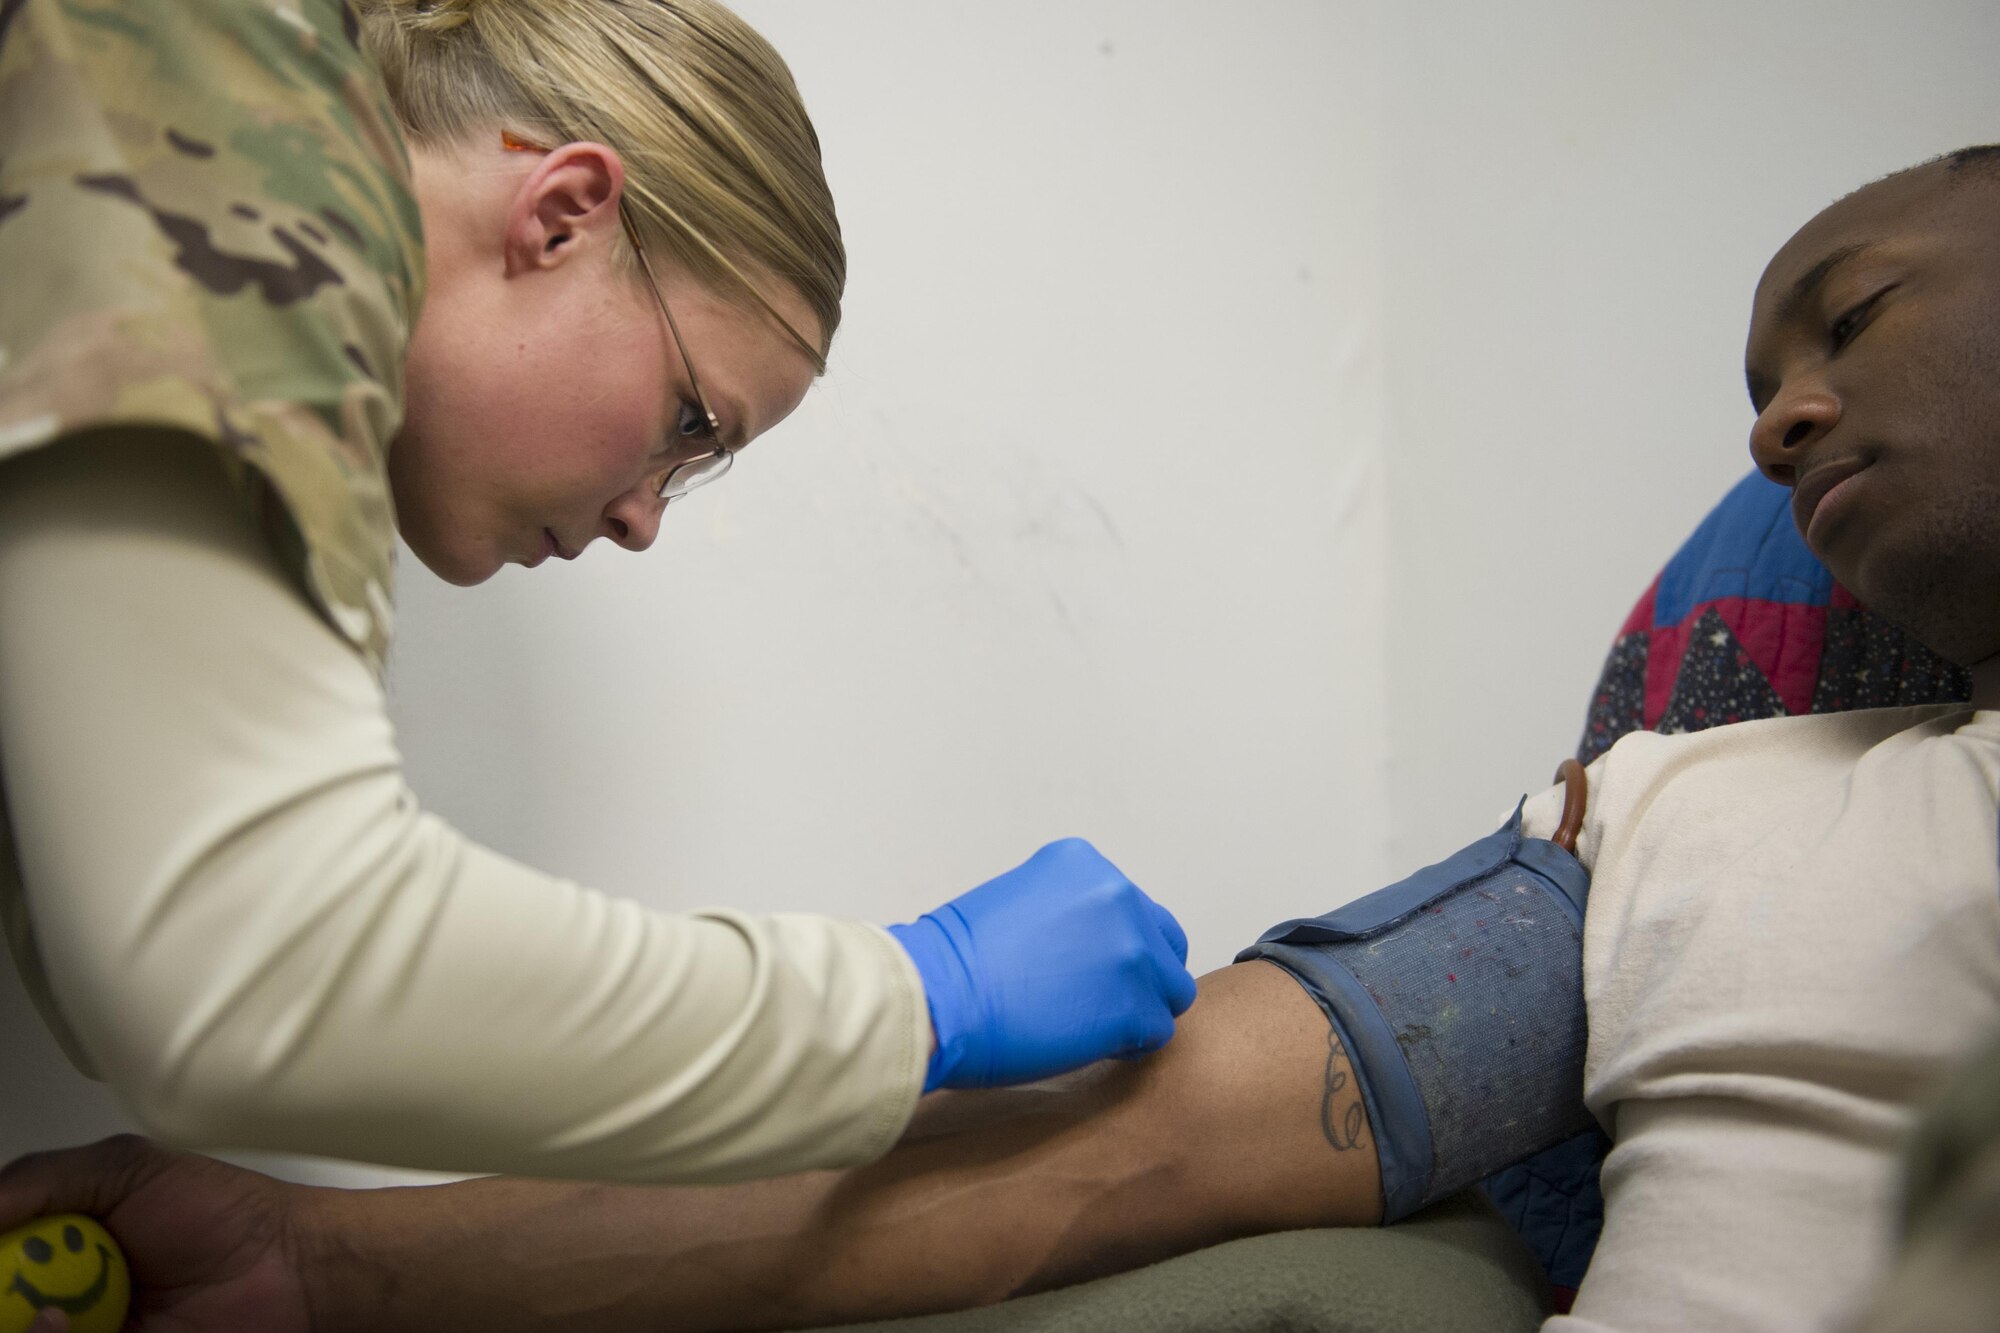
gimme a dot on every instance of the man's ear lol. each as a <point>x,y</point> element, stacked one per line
<point>565,205</point>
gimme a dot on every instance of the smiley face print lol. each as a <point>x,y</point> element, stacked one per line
<point>66,1263</point>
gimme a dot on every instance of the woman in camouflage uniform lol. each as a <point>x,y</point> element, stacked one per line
<point>218,226</point>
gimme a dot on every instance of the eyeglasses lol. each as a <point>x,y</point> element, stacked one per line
<point>713,465</point>
<point>691,473</point>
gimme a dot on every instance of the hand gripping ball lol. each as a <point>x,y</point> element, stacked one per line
<point>67,1263</point>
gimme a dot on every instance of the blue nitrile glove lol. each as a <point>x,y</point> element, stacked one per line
<point>1056,964</point>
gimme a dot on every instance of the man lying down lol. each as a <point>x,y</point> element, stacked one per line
<point>1793,933</point>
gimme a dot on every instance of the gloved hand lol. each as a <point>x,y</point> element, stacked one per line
<point>1056,964</point>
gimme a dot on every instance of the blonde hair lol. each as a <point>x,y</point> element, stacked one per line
<point>722,167</point>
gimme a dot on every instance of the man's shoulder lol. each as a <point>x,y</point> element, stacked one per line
<point>1718,775</point>
<point>1810,735</point>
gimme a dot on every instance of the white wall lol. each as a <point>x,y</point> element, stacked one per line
<point>1249,426</point>
<point>1080,534</point>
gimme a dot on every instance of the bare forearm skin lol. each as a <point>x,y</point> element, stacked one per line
<point>1224,1133</point>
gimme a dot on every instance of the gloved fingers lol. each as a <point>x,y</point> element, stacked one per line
<point>1177,988</point>
<point>1176,937</point>
<point>1149,1024</point>
<point>1175,981</point>
<point>1172,982</point>
<point>1150,1031</point>
<point>1055,964</point>
<point>1065,856</point>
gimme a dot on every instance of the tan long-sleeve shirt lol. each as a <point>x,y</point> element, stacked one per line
<point>233,908</point>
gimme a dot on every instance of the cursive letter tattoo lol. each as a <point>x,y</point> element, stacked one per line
<point>1347,1134</point>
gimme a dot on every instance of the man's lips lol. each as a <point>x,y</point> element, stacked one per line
<point>1813,488</point>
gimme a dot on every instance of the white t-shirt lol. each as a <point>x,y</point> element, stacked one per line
<point>1793,934</point>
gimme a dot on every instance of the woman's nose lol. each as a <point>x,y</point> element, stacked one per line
<point>633,519</point>
<point>1788,428</point>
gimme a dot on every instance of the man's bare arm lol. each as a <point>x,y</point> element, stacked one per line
<point>1249,1121</point>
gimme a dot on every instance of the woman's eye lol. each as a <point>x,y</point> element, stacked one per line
<point>693,423</point>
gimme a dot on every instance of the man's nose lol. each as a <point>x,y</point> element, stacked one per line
<point>633,519</point>
<point>1789,427</point>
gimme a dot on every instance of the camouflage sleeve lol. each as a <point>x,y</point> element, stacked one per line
<point>207,223</point>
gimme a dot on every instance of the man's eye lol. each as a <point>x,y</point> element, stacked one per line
<point>1843,329</point>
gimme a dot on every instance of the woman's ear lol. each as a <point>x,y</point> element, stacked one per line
<point>569,201</point>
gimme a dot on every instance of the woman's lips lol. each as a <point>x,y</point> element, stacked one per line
<point>552,546</point>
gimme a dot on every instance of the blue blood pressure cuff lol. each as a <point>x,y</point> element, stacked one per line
<point>1458,994</point>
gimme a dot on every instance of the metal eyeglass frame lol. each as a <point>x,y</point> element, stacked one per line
<point>690,473</point>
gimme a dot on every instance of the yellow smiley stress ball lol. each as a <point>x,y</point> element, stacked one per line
<point>66,1263</point>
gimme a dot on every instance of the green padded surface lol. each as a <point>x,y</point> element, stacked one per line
<point>1455,1267</point>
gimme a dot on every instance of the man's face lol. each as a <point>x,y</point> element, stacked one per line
<point>1874,365</point>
